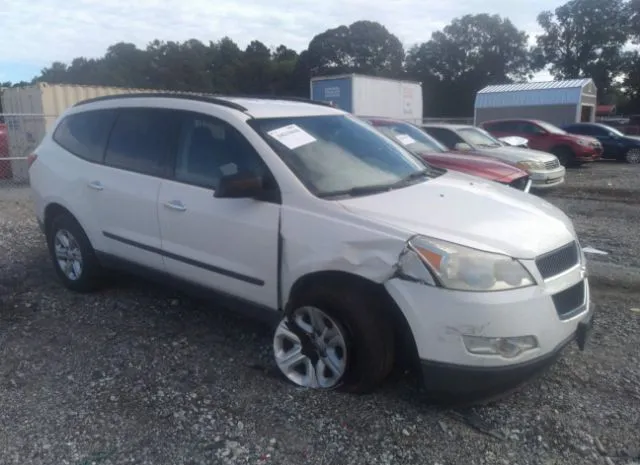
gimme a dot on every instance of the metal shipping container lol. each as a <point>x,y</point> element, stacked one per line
<point>369,96</point>
<point>31,110</point>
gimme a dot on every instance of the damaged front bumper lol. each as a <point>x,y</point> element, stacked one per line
<point>473,382</point>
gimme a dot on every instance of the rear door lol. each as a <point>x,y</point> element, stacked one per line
<point>226,244</point>
<point>83,136</point>
<point>539,139</point>
<point>136,160</point>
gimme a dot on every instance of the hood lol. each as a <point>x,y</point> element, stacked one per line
<point>516,154</point>
<point>483,166</point>
<point>472,212</point>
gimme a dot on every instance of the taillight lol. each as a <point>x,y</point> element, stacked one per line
<point>31,159</point>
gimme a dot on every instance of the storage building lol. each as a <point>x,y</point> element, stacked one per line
<point>30,111</point>
<point>370,95</point>
<point>557,102</point>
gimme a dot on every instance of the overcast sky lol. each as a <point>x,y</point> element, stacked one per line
<point>34,33</point>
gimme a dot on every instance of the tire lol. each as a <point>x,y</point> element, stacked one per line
<point>565,155</point>
<point>86,277</point>
<point>632,156</point>
<point>368,355</point>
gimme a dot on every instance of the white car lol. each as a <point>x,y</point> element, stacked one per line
<point>545,170</point>
<point>358,250</point>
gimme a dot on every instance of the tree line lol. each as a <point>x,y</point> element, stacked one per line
<point>582,38</point>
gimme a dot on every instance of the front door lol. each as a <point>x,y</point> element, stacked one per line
<point>229,245</point>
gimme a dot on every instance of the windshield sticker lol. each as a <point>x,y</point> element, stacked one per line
<point>292,136</point>
<point>405,139</point>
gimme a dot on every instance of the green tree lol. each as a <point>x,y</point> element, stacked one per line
<point>225,58</point>
<point>365,47</point>
<point>631,83</point>
<point>468,54</point>
<point>57,73</point>
<point>254,72</point>
<point>634,20</point>
<point>584,38</point>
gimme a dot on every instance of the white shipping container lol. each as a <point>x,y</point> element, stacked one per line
<point>369,96</point>
<point>31,110</point>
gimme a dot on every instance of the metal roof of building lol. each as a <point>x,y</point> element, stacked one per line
<point>534,93</point>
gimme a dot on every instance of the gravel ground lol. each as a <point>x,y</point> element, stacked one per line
<point>140,374</point>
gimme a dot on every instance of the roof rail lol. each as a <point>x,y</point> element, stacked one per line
<point>276,97</point>
<point>210,98</point>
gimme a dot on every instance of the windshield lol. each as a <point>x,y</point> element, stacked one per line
<point>479,138</point>
<point>411,137</point>
<point>550,128</point>
<point>338,155</point>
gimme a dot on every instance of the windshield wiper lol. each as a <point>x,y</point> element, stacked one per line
<point>426,172</point>
<point>376,188</point>
<point>358,190</point>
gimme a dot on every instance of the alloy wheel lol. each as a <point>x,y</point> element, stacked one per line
<point>633,156</point>
<point>310,349</point>
<point>68,254</point>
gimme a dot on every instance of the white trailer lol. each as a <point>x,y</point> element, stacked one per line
<point>369,96</point>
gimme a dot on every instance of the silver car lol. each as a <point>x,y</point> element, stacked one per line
<point>544,168</point>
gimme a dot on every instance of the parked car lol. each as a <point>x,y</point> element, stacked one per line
<point>544,168</point>
<point>616,145</point>
<point>312,219</point>
<point>5,165</point>
<point>569,148</point>
<point>434,153</point>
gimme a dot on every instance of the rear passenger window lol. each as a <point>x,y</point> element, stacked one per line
<point>85,134</point>
<point>142,140</point>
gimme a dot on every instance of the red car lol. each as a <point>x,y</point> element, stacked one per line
<point>420,143</point>
<point>569,148</point>
<point>5,165</point>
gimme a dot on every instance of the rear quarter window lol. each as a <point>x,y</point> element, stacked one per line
<point>85,134</point>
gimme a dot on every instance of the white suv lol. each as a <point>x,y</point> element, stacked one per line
<point>360,250</point>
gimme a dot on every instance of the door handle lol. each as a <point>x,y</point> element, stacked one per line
<point>97,185</point>
<point>175,205</point>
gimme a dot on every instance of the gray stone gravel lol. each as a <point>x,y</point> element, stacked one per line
<point>141,374</point>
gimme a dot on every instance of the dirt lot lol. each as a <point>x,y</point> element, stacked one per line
<point>139,374</point>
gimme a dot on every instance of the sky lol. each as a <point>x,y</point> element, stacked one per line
<point>34,33</point>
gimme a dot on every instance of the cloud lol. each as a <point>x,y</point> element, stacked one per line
<point>35,33</point>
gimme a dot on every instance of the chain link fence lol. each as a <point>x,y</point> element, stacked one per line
<point>20,134</point>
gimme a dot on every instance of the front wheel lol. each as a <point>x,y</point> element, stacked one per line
<point>565,155</point>
<point>335,339</point>
<point>633,156</point>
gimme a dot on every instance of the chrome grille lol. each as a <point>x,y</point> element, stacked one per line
<point>552,165</point>
<point>558,261</point>
<point>569,300</point>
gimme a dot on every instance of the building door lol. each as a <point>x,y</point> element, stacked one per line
<point>586,116</point>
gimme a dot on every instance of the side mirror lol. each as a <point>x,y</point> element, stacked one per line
<point>462,147</point>
<point>239,186</point>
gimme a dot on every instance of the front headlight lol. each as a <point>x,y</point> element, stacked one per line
<point>530,165</point>
<point>583,142</point>
<point>461,268</point>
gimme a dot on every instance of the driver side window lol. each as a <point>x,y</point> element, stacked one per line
<point>210,149</point>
